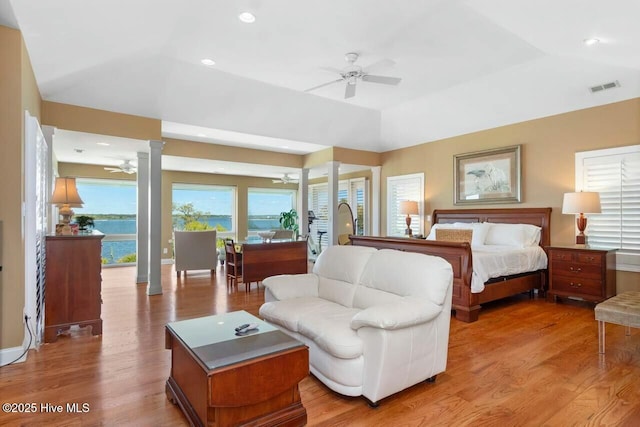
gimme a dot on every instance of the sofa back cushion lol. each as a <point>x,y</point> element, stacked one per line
<point>402,274</point>
<point>339,269</point>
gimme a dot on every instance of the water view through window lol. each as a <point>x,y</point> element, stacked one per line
<point>112,205</point>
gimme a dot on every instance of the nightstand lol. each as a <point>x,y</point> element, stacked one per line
<point>581,272</point>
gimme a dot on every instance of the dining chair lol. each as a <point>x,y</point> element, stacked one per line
<point>233,264</point>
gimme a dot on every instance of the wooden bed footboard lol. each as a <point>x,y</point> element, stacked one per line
<point>465,303</point>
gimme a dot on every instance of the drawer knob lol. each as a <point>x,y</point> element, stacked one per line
<point>575,285</point>
<point>576,270</point>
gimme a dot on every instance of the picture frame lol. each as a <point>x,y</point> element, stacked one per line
<point>489,176</point>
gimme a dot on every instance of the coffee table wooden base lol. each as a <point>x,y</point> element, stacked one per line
<point>257,392</point>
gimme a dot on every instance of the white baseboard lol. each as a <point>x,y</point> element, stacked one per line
<point>8,355</point>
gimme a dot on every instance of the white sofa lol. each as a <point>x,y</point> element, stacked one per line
<point>375,321</point>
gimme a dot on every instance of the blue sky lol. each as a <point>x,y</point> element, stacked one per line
<point>120,198</point>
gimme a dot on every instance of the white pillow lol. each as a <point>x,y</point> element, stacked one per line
<point>480,230</point>
<point>516,235</point>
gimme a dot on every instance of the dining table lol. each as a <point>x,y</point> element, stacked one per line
<point>262,258</point>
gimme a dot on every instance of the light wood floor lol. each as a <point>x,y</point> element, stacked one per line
<point>525,362</point>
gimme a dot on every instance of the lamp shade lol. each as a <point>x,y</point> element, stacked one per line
<point>409,207</point>
<point>581,202</point>
<point>66,193</point>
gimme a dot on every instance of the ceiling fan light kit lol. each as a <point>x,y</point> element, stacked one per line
<point>352,73</point>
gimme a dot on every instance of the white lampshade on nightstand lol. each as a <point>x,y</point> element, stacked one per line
<point>581,203</point>
<point>409,207</point>
<point>65,196</point>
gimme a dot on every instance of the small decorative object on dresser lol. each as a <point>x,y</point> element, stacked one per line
<point>581,272</point>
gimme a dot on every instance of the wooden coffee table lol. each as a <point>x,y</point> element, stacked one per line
<point>220,379</point>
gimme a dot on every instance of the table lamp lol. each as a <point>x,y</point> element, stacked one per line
<point>65,196</point>
<point>581,203</point>
<point>409,207</point>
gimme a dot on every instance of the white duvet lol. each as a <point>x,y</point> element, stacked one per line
<point>491,261</point>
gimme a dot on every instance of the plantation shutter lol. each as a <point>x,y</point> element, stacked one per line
<point>617,178</point>
<point>400,188</point>
<point>357,188</point>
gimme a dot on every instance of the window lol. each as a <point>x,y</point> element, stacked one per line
<point>215,203</point>
<point>399,188</point>
<point>615,174</point>
<point>352,191</point>
<point>265,205</point>
<point>113,206</point>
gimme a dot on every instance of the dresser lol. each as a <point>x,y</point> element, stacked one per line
<point>73,284</point>
<point>582,272</point>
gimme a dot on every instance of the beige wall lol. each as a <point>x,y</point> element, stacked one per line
<point>18,92</point>
<point>548,148</point>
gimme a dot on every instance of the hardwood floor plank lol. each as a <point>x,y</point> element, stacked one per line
<point>525,362</point>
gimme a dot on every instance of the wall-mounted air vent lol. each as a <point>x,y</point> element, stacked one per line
<point>604,86</point>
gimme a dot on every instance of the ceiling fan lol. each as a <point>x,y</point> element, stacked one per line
<point>286,179</point>
<point>126,167</point>
<point>352,73</point>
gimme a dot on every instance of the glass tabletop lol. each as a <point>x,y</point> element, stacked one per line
<point>214,341</point>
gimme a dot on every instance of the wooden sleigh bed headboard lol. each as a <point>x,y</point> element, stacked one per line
<point>465,303</point>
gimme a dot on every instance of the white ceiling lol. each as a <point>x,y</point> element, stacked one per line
<point>465,65</point>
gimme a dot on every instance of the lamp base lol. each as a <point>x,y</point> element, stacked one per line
<point>408,232</point>
<point>581,239</point>
<point>63,230</point>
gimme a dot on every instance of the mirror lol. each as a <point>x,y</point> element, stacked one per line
<point>345,223</point>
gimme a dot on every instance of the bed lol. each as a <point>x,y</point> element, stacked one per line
<point>466,303</point>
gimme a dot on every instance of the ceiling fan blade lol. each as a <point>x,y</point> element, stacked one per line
<point>381,79</point>
<point>350,91</point>
<point>323,85</point>
<point>380,64</point>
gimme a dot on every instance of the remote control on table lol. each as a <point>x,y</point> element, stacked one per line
<point>246,327</point>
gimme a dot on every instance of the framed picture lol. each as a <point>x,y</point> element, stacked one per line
<point>490,176</point>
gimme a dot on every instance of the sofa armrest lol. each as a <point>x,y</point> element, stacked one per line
<point>409,311</point>
<point>287,286</point>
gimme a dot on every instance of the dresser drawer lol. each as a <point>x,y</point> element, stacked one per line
<point>557,255</point>
<point>578,270</point>
<point>573,256</point>
<point>587,258</point>
<point>577,285</point>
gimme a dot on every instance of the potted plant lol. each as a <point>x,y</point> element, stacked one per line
<point>84,222</point>
<point>289,221</point>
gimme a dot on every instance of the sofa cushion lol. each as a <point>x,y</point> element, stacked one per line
<point>287,313</point>
<point>339,268</point>
<point>404,274</point>
<point>331,331</point>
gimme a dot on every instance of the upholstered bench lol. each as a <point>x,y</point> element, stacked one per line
<point>623,309</point>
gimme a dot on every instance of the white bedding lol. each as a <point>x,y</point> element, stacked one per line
<point>491,261</point>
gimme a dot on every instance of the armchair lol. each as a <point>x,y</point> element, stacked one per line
<point>195,250</point>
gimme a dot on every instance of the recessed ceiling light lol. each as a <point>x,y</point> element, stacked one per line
<point>208,62</point>
<point>247,17</point>
<point>591,41</point>
<point>105,144</point>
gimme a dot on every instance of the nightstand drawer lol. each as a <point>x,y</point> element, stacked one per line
<point>577,285</point>
<point>557,255</point>
<point>590,258</point>
<point>578,270</point>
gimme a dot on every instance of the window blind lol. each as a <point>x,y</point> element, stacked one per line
<point>615,174</point>
<point>399,188</point>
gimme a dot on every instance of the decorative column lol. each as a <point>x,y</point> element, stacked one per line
<point>375,200</point>
<point>332,231</point>
<point>155,218</point>
<point>303,202</point>
<point>142,223</point>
